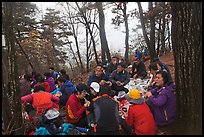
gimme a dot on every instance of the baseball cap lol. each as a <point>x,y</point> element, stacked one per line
<point>95,86</point>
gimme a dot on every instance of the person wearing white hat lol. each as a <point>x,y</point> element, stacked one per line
<point>94,89</point>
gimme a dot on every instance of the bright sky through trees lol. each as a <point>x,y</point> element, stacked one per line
<point>115,37</point>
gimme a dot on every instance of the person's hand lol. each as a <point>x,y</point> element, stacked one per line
<point>147,94</point>
<point>109,83</point>
<point>118,83</point>
<point>102,82</point>
<point>145,87</point>
<point>135,76</point>
<point>87,104</point>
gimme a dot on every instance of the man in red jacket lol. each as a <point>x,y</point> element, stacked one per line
<point>139,116</point>
<point>75,110</point>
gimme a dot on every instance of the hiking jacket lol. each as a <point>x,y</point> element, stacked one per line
<point>94,78</point>
<point>120,76</point>
<point>74,109</point>
<point>41,101</point>
<point>51,83</point>
<point>163,104</point>
<point>45,85</point>
<point>141,118</point>
<point>106,114</point>
<point>67,89</point>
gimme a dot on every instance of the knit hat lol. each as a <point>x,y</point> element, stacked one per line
<point>134,97</point>
<point>95,86</point>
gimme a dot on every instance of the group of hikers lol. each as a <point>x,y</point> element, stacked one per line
<point>92,105</point>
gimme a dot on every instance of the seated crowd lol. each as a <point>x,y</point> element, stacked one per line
<point>92,105</point>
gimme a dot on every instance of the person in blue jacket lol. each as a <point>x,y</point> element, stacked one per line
<point>66,88</point>
<point>98,76</point>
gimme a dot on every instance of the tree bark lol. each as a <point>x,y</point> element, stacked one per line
<point>187,49</point>
<point>13,70</point>
<point>88,26</point>
<point>104,44</point>
<point>127,33</point>
<point>162,31</point>
<point>149,43</point>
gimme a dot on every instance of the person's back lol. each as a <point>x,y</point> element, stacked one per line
<point>41,100</point>
<point>142,114</point>
<point>106,112</point>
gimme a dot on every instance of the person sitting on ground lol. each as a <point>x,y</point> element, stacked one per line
<point>94,89</point>
<point>112,66</point>
<point>139,118</point>
<point>99,77</point>
<point>54,74</point>
<point>105,110</point>
<point>51,123</point>
<point>64,74</point>
<point>41,101</point>
<point>139,69</point>
<point>76,114</point>
<point>41,81</point>
<point>66,88</point>
<point>119,78</point>
<point>162,99</point>
<point>162,66</point>
<point>50,81</point>
<point>129,69</point>
<point>153,69</point>
<point>25,85</point>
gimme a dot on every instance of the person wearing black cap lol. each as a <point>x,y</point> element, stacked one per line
<point>138,68</point>
<point>74,109</point>
<point>106,113</point>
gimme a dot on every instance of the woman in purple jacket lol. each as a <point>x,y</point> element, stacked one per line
<point>50,80</point>
<point>162,99</point>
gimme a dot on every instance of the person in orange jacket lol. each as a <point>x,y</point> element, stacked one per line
<point>139,117</point>
<point>41,101</point>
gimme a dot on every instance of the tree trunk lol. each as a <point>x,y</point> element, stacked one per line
<point>104,43</point>
<point>169,36</point>
<point>92,38</point>
<point>13,71</point>
<point>162,32</point>
<point>6,111</point>
<point>151,49</point>
<point>127,33</point>
<point>187,49</point>
<point>159,34</point>
<point>26,56</point>
<point>152,31</point>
